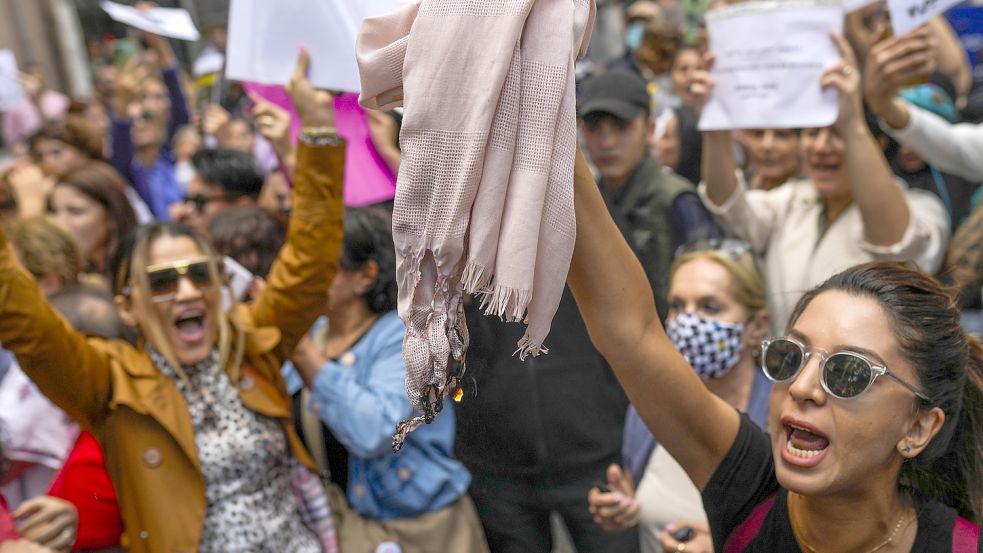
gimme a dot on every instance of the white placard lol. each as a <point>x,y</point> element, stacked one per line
<point>11,93</point>
<point>265,36</point>
<point>769,59</point>
<point>908,15</point>
<point>169,22</point>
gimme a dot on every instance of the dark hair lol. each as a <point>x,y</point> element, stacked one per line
<point>231,170</point>
<point>249,235</point>
<point>100,182</point>
<point>89,310</point>
<point>368,237</point>
<point>949,364</point>
<point>72,132</point>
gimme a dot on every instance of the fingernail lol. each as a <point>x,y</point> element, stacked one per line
<point>671,526</point>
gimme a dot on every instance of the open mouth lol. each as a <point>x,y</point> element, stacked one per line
<point>190,325</point>
<point>825,169</point>
<point>803,445</point>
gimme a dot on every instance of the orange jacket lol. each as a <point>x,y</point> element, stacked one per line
<point>138,415</point>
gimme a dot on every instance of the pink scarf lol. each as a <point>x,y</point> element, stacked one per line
<point>484,199</point>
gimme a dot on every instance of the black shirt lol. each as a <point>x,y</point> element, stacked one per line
<point>746,478</point>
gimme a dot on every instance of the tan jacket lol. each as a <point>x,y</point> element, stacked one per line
<point>138,415</point>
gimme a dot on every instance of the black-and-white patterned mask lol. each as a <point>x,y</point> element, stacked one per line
<point>712,347</point>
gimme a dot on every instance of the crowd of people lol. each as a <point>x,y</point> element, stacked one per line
<point>201,349</point>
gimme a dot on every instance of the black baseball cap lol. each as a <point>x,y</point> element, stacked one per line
<point>619,92</point>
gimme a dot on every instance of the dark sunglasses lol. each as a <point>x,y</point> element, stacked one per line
<point>843,374</point>
<point>199,202</point>
<point>163,279</point>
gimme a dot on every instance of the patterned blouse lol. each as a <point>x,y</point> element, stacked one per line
<point>246,467</point>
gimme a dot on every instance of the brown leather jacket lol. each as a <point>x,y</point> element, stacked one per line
<point>137,414</point>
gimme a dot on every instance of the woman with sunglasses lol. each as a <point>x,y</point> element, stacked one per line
<point>195,421</point>
<point>850,209</point>
<point>717,319</point>
<point>851,461</point>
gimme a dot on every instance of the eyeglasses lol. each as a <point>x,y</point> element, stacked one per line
<point>732,247</point>
<point>843,374</point>
<point>163,279</point>
<point>199,201</point>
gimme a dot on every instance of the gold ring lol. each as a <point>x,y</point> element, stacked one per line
<point>680,547</point>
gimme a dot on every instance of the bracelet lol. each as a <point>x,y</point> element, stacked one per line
<point>320,139</point>
<point>318,131</point>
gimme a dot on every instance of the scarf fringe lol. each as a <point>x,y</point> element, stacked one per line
<point>476,278</point>
<point>528,347</point>
<point>505,302</point>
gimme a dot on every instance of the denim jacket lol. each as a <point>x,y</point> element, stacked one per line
<point>361,397</point>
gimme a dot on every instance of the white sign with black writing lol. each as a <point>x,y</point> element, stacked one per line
<point>264,38</point>
<point>11,93</point>
<point>908,15</point>
<point>769,60</point>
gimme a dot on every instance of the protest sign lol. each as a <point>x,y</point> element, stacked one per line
<point>769,60</point>
<point>264,38</point>
<point>908,15</point>
<point>11,93</point>
<point>169,22</point>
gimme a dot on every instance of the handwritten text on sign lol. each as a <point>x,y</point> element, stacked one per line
<point>908,15</point>
<point>769,59</point>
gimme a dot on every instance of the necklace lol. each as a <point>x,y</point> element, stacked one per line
<point>796,529</point>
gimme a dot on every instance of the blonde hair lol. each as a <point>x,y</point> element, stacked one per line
<point>45,247</point>
<point>130,269</point>
<point>748,283</point>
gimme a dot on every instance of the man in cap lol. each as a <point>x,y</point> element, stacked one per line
<point>658,210</point>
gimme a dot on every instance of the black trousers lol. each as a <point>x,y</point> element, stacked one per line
<point>515,513</point>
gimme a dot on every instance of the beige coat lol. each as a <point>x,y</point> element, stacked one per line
<point>138,415</point>
<point>782,225</point>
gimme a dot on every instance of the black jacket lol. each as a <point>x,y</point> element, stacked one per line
<point>561,413</point>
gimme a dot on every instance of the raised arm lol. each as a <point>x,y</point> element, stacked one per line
<point>615,299</point>
<point>307,262</point>
<point>882,203</point>
<point>894,62</point>
<point>69,371</point>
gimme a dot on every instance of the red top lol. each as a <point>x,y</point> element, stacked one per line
<point>8,531</point>
<point>84,482</point>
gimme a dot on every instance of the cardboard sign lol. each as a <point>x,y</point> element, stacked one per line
<point>769,60</point>
<point>169,22</point>
<point>265,37</point>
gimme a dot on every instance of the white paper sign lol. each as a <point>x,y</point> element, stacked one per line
<point>265,36</point>
<point>169,22</point>
<point>11,93</point>
<point>769,59</point>
<point>908,15</point>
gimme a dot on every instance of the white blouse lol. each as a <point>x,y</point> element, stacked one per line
<point>782,225</point>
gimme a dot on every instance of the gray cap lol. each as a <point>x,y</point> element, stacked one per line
<point>619,92</point>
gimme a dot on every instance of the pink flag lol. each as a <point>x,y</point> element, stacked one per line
<point>368,179</point>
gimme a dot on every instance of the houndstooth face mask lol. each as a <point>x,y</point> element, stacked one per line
<point>712,347</point>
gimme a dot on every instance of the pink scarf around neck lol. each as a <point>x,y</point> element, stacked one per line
<point>484,199</point>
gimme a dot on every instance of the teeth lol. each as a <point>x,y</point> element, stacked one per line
<point>803,453</point>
